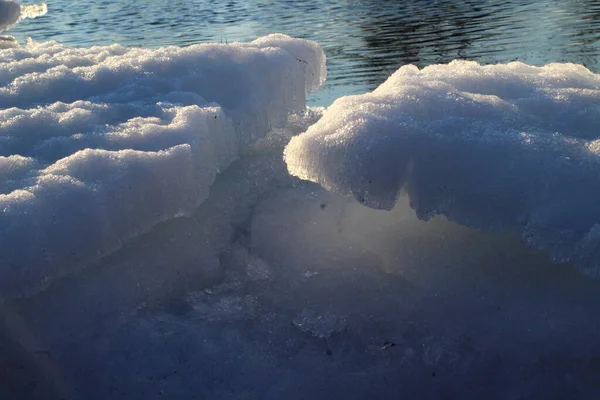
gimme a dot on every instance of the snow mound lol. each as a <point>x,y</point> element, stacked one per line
<point>499,148</point>
<point>98,145</point>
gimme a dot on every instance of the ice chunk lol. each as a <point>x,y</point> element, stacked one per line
<point>502,147</point>
<point>11,13</point>
<point>120,139</point>
<point>8,42</point>
<point>33,11</point>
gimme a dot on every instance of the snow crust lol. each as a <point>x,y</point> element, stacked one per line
<point>99,145</point>
<point>499,148</point>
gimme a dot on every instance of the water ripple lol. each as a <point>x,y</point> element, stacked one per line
<point>365,40</point>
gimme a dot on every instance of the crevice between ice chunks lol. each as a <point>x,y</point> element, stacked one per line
<point>499,148</point>
<point>99,145</point>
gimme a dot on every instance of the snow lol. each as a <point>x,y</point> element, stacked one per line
<point>121,139</point>
<point>497,148</point>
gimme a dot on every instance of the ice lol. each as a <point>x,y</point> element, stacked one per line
<point>498,148</point>
<point>120,139</point>
<point>391,305</point>
<point>228,309</point>
<point>321,326</point>
<point>11,13</point>
<point>153,244</point>
<point>33,11</point>
<point>276,288</point>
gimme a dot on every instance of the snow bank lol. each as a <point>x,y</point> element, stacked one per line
<point>99,145</point>
<point>499,148</point>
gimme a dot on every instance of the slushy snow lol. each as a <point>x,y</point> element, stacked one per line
<point>99,145</point>
<point>498,148</point>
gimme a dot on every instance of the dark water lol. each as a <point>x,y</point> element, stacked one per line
<point>365,40</point>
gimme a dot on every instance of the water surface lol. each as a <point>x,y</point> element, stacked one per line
<point>365,40</point>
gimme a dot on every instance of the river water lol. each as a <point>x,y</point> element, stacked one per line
<point>365,40</point>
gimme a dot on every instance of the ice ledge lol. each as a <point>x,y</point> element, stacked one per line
<point>500,148</point>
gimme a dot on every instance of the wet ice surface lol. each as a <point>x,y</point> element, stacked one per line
<point>266,286</point>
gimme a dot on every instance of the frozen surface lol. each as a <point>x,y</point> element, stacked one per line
<point>498,148</point>
<point>120,139</point>
<point>329,300</point>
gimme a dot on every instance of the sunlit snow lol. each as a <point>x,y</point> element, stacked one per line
<point>501,148</point>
